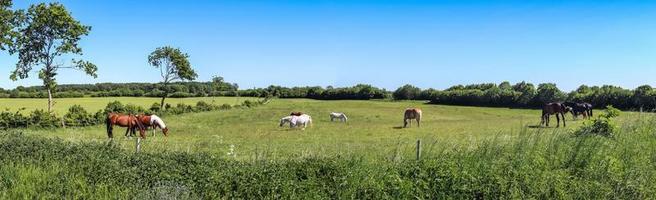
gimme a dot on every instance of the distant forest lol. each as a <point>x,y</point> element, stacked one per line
<point>523,94</point>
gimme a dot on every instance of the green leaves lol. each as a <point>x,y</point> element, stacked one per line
<point>174,64</point>
<point>86,66</point>
<point>41,34</point>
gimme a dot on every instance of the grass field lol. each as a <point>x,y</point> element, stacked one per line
<point>373,130</point>
<point>468,153</point>
<point>94,104</point>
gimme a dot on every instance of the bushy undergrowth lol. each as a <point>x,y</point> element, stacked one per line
<point>78,116</point>
<point>603,125</point>
<point>525,165</point>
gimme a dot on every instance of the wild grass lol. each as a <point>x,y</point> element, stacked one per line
<point>373,130</point>
<point>520,164</point>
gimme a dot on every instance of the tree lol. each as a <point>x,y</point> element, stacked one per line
<point>8,21</point>
<point>527,91</point>
<point>173,65</point>
<point>406,92</point>
<point>547,93</point>
<point>46,32</point>
<point>505,86</point>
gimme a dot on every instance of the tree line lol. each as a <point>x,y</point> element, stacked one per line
<point>527,95</point>
<point>523,94</point>
<point>177,89</point>
<point>216,87</point>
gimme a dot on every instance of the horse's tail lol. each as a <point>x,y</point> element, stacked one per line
<point>108,122</point>
<point>141,127</point>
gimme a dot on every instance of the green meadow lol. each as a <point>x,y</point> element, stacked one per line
<point>373,130</point>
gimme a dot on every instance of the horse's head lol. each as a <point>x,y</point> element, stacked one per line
<point>285,120</point>
<point>165,131</point>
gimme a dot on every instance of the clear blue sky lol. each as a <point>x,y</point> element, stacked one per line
<point>384,43</point>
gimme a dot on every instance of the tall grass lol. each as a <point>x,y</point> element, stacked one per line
<point>525,164</point>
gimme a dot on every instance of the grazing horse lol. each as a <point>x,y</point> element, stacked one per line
<point>296,114</point>
<point>411,113</point>
<point>589,107</point>
<point>554,108</point>
<point>296,121</point>
<point>578,109</point>
<point>154,122</point>
<point>129,121</point>
<point>341,116</point>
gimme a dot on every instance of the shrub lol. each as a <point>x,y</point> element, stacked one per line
<point>204,106</point>
<point>115,106</point>
<point>43,119</point>
<point>225,106</point>
<point>134,109</point>
<point>603,125</point>
<point>155,107</point>
<point>78,116</point>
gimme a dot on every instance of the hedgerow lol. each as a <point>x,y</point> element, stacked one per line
<point>78,116</point>
<point>529,165</point>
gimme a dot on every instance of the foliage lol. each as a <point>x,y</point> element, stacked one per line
<point>78,116</point>
<point>173,65</point>
<point>525,166</point>
<point>49,31</point>
<point>407,92</point>
<point>9,19</point>
<point>603,125</point>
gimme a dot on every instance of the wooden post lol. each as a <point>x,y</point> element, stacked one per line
<point>418,149</point>
<point>63,123</point>
<point>138,146</point>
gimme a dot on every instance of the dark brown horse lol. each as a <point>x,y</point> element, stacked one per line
<point>129,121</point>
<point>554,108</point>
<point>579,109</point>
<point>296,113</point>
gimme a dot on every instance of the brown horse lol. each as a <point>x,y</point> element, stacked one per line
<point>411,113</point>
<point>554,108</point>
<point>129,121</point>
<point>296,113</point>
<point>154,122</point>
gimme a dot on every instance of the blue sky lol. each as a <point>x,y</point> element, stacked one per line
<point>384,43</point>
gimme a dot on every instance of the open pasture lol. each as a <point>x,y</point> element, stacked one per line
<point>96,103</point>
<point>373,130</point>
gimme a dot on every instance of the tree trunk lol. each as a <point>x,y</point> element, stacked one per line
<point>161,105</point>
<point>49,100</point>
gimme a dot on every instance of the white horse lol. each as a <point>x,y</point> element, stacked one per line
<point>341,116</point>
<point>296,121</point>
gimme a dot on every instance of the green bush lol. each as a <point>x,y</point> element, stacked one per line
<point>43,119</point>
<point>204,106</point>
<point>603,125</point>
<point>78,116</point>
<point>115,107</point>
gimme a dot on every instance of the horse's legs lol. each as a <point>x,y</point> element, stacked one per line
<point>405,123</point>
<point>127,130</point>
<point>418,122</point>
<point>564,124</point>
<point>557,120</point>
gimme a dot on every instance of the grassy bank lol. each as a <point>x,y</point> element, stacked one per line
<point>521,164</point>
<point>373,130</point>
